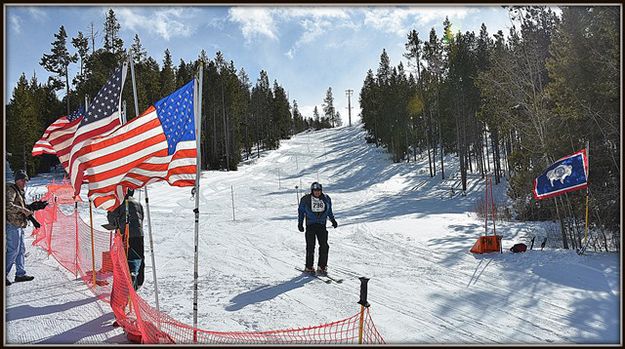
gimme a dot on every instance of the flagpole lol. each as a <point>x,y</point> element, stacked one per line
<point>198,108</point>
<point>147,201</point>
<point>76,203</point>
<point>587,192</point>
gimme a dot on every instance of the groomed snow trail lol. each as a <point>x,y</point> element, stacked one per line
<point>397,226</point>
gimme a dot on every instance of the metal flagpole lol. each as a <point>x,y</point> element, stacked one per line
<point>197,96</point>
<point>147,202</point>
<point>587,192</point>
<point>76,205</point>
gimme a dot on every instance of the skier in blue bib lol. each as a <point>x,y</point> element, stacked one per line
<point>316,207</point>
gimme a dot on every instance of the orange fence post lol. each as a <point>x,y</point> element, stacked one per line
<point>486,206</point>
<point>76,250</point>
<point>492,205</point>
<point>92,244</point>
<point>363,304</point>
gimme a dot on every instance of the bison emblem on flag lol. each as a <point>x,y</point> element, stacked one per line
<point>559,173</point>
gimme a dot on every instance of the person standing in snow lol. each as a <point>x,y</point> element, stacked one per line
<point>316,207</point>
<point>117,218</point>
<point>17,213</point>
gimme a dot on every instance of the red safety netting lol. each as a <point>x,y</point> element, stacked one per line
<point>65,236</point>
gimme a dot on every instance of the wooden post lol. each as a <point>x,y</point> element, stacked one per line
<point>363,304</point>
<point>92,244</point>
<point>232,192</point>
<point>76,250</point>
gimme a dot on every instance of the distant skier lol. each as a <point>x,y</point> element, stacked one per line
<point>117,218</point>
<point>316,207</point>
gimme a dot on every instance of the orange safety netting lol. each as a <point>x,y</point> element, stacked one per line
<point>67,238</point>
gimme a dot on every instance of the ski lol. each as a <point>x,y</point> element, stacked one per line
<point>327,280</point>
<point>323,277</point>
<point>338,281</point>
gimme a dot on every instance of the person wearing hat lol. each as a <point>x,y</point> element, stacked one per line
<point>18,214</point>
<point>316,207</point>
<point>117,219</point>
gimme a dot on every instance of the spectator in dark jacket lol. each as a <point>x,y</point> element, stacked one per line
<point>316,208</point>
<point>117,218</point>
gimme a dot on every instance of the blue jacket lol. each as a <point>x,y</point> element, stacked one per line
<point>305,210</point>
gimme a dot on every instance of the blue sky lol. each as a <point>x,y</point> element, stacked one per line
<point>307,49</point>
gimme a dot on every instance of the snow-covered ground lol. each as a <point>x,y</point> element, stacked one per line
<point>397,226</point>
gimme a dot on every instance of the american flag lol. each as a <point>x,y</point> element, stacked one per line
<point>66,135</point>
<point>57,137</point>
<point>159,144</point>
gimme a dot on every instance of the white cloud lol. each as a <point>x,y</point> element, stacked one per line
<point>313,29</point>
<point>316,21</point>
<point>167,23</point>
<point>428,15</point>
<point>314,12</point>
<point>16,24</point>
<point>400,20</point>
<point>254,21</point>
<point>37,14</point>
<point>387,20</point>
<point>290,53</point>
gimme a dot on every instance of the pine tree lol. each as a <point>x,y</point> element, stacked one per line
<point>281,112</point>
<point>81,43</point>
<point>584,86</point>
<point>167,76</point>
<point>383,75</point>
<point>328,107</point>
<point>57,62</point>
<point>245,100</point>
<point>298,119</point>
<point>112,42</point>
<point>414,54</point>
<point>138,52</point>
<point>369,106</point>
<point>21,118</point>
<point>316,119</point>
<point>184,73</point>
<point>262,98</point>
<point>338,122</point>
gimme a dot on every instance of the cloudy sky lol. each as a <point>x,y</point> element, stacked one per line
<point>306,49</point>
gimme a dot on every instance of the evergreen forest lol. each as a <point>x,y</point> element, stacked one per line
<point>506,104</point>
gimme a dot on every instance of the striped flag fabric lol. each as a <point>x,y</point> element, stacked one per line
<point>58,136</point>
<point>67,134</point>
<point>159,144</point>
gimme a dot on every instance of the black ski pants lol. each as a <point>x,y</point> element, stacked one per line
<point>321,233</point>
<point>136,261</point>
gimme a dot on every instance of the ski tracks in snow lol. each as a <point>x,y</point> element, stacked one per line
<point>430,279</point>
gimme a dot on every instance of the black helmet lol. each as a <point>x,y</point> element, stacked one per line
<point>130,192</point>
<point>315,185</point>
<point>21,174</point>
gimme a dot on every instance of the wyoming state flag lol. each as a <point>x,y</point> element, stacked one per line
<point>567,174</point>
